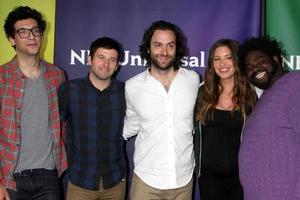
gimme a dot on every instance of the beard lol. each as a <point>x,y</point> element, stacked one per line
<point>103,76</point>
<point>155,63</point>
<point>262,84</point>
<point>268,79</point>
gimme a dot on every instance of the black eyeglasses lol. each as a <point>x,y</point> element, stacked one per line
<point>25,32</point>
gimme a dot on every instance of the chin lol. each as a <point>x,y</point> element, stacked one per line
<point>164,68</point>
<point>262,86</point>
<point>226,77</point>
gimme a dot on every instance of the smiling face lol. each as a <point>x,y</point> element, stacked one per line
<point>29,45</point>
<point>222,63</point>
<point>103,64</point>
<point>261,69</point>
<point>162,49</point>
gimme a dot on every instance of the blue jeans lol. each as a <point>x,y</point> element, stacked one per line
<point>37,184</point>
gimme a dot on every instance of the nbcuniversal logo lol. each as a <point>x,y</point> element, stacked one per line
<point>291,62</point>
<point>80,57</point>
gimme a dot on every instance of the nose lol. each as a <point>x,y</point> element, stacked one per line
<point>222,62</point>
<point>106,62</point>
<point>31,36</point>
<point>251,68</point>
<point>255,67</point>
<point>164,51</point>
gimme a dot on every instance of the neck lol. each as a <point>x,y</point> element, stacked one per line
<point>227,84</point>
<point>165,77</point>
<point>225,101</point>
<point>30,66</point>
<point>98,83</point>
<point>162,75</point>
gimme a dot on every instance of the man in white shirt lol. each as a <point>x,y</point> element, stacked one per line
<point>160,103</point>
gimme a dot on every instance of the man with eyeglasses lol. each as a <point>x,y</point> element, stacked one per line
<point>32,150</point>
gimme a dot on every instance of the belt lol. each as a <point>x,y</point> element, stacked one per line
<point>34,172</point>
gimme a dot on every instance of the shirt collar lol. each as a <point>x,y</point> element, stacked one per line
<point>110,87</point>
<point>19,73</point>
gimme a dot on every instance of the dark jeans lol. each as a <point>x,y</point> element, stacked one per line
<point>37,184</point>
<point>214,187</point>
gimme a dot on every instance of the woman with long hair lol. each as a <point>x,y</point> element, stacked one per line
<point>223,103</point>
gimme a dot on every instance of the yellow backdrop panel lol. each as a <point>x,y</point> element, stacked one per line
<point>47,8</point>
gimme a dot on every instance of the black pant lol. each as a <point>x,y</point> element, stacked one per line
<point>213,187</point>
<point>37,184</point>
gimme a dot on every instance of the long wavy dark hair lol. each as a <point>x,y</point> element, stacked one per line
<point>244,96</point>
<point>181,42</point>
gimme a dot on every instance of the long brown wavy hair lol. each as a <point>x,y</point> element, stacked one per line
<point>244,96</point>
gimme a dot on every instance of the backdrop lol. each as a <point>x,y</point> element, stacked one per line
<point>282,22</point>
<point>80,22</point>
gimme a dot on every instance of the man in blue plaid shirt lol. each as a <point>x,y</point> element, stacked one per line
<point>94,109</point>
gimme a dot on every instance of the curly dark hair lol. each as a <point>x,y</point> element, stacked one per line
<point>181,41</point>
<point>20,13</point>
<point>266,44</point>
<point>107,43</point>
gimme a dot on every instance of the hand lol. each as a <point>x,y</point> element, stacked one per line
<point>3,193</point>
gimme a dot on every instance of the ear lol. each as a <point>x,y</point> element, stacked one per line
<point>119,63</point>
<point>12,41</point>
<point>276,59</point>
<point>89,60</point>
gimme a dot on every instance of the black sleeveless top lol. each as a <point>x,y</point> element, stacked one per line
<point>221,142</point>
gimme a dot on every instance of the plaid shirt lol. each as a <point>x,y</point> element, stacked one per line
<point>12,84</point>
<point>94,138</point>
